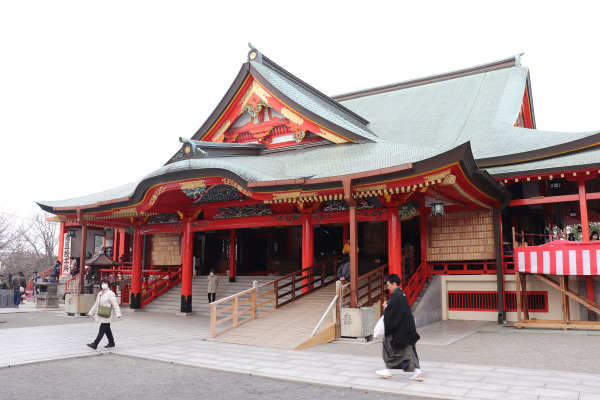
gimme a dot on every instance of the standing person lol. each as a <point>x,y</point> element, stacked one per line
<point>74,266</point>
<point>213,282</point>
<point>18,282</point>
<point>399,351</point>
<point>346,250</point>
<point>56,270</point>
<point>105,298</point>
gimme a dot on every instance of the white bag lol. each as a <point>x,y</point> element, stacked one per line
<point>379,330</point>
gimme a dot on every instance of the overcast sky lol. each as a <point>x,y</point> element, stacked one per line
<point>94,95</point>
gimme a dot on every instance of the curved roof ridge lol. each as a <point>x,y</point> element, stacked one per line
<point>492,66</point>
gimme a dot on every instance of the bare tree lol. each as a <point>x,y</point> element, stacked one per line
<point>41,236</point>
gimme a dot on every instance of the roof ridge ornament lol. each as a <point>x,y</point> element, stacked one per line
<point>254,54</point>
<point>518,59</point>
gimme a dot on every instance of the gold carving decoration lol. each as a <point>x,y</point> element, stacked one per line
<point>233,183</point>
<point>370,188</point>
<point>255,88</point>
<point>293,195</point>
<point>296,119</point>
<point>436,177</point>
<point>192,184</point>
<point>330,136</point>
<point>219,133</point>
<point>157,193</point>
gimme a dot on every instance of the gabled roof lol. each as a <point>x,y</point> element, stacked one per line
<point>298,96</point>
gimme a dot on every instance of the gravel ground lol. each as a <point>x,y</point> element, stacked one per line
<point>571,352</point>
<point>112,376</point>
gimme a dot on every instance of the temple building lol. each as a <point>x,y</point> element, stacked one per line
<point>439,177</point>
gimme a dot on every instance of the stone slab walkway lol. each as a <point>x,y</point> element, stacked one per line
<point>182,340</point>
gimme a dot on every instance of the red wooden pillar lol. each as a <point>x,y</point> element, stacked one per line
<point>308,247</point>
<point>353,255</point>
<point>136,270</point>
<point>61,242</point>
<point>123,245</point>
<point>585,231</point>
<point>232,252</point>
<point>82,257</point>
<point>187,268</point>
<point>423,230</point>
<point>394,244</point>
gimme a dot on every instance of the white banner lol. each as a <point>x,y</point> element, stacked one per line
<point>66,264</point>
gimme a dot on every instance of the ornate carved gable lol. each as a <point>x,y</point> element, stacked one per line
<point>255,116</point>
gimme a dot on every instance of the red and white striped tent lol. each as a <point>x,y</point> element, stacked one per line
<point>559,257</point>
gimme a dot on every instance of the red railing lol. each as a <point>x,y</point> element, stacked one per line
<point>72,285</point>
<point>416,283</point>
<point>155,281</point>
<point>483,267</point>
<point>508,264</point>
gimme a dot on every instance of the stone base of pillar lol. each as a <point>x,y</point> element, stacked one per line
<point>186,304</point>
<point>136,301</point>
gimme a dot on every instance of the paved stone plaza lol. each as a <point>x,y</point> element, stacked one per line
<point>182,341</point>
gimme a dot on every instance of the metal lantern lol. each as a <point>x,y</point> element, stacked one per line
<point>71,232</point>
<point>572,213</point>
<point>437,208</point>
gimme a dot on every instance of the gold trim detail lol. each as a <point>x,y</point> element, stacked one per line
<point>436,177</point>
<point>293,195</point>
<point>221,131</point>
<point>291,116</point>
<point>255,88</point>
<point>471,198</point>
<point>330,136</point>
<point>231,182</point>
<point>369,188</point>
<point>157,193</point>
<point>192,184</point>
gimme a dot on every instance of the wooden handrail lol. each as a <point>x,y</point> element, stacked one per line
<point>308,282</point>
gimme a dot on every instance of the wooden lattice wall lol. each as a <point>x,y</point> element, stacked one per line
<point>461,236</point>
<point>165,249</point>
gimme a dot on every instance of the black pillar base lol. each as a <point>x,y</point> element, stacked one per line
<point>232,279</point>
<point>136,301</point>
<point>186,303</point>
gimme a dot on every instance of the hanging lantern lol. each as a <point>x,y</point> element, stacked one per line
<point>555,185</point>
<point>71,232</point>
<point>437,208</point>
<point>572,213</point>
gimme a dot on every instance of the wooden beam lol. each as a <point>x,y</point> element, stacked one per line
<point>544,200</point>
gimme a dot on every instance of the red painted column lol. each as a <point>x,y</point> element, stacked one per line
<point>423,230</point>
<point>353,255</point>
<point>123,245</point>
<point>585,231</point>
<point>232,252</point>
<point>82,257</point>
<point>187,268</point>
<point>61,242</point>
<point>308,247</point>
<point>136,270</point>
<point>394,244</point>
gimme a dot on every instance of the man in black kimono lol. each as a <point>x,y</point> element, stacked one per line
<point>399,351</point>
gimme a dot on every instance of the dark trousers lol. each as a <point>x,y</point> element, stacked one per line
<point>104,329</point>
<point>17,297</point>
<point>212,296</point>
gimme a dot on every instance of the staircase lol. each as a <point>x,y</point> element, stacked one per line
<point>171,300</point>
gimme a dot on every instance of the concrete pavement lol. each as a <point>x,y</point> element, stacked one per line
<point>181,340</point>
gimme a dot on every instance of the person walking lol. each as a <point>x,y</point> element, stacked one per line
<point>213,282</point>
<point>399,350</point>
<point>18,285</point>
<point>106,298</point>
<point>56,270</point>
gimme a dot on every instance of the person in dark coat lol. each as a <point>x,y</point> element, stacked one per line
<point>399,350</point>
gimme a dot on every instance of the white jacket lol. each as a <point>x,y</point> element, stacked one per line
<point>106,298</point>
